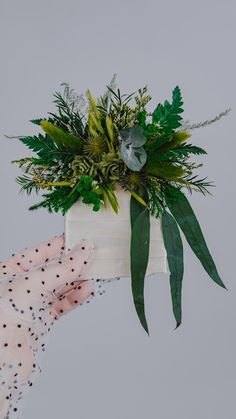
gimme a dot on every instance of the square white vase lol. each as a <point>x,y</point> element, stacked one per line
<point>111,234</point>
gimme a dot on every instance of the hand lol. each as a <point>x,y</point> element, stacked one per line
<point>37,287</point>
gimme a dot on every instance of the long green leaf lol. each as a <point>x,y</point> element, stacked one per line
<point>62,138</point>
<point>174,249</point>
<point>139,254</point>
<point>177,139</point>
<point>189,224</point>
<point>163,170</point>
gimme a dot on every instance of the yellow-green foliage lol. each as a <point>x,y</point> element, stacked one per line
<point>62,138</point>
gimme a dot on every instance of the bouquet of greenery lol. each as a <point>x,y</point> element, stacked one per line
<point>88,147</point>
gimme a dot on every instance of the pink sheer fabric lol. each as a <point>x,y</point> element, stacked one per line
<point>37,286</point>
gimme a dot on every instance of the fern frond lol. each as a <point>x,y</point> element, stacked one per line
<point>39,143</point>
<point>183,151</point>
<point>60,199</point>
<point>167,116</point>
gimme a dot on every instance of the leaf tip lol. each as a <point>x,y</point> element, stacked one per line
<point>177,325</point>
<point>146,330</point>
<point>224,286</point>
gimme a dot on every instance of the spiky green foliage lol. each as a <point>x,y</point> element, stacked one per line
<point>27,184</point>
<point>68,117</point>
<point>60,199</point>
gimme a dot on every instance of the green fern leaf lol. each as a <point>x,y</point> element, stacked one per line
<point>45,147</point>
<point>59,200</point>
<point>167,116</point>
<point>180,152</point>
<point>39,143</point>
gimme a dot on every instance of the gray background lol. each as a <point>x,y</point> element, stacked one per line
<point>100,363</point>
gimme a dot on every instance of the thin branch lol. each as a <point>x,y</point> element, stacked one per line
<point>187,126</point>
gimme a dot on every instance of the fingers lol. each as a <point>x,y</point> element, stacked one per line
<point>27,293</point>
<point>33,257</point>
<point>69,301</point>
<point>68,269</point>
<point>66,288</point>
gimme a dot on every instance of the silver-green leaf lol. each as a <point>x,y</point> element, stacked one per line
<point>134,136</point>
<point>132,151</point>
<point>134,158</point>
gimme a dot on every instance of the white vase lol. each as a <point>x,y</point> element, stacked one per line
<point>111,234</point>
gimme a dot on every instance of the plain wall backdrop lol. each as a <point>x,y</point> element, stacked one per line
<point>100,363</point>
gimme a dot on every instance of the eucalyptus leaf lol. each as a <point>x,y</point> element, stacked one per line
<point>174,249</point>
<point>134,136</point>
<point>139,253</point>
<point>134,158</point>
<point>132,152</point>
<point>185,217</point>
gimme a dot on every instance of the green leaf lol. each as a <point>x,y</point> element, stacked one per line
<point>174,249</point>
<point>59,200</point>
<point>27,184</point>
<point>44,146</point>
<point>139,253</point>
<point>134,158</point>
<point>138,198</point>
<point>175,140</point>
<point>167,116</point>
<point>39,143</point>
<point>189,224</point>
<point>112,198</point>
<point>87,193</point>
<point>134,136</point>
<point>132,152</point>
<point>180,152</point>
<point>62,138</point>
<point>166,170</point>
<point>187,149</point>
<point>37,121</point>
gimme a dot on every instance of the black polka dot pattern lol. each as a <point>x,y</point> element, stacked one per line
<point>37,287</point>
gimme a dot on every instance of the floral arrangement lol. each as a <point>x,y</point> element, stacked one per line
<point>88,147</point>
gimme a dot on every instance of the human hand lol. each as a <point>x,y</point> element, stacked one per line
<point>37,287</point>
